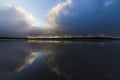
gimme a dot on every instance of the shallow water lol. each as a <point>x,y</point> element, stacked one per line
<point>59,60</point>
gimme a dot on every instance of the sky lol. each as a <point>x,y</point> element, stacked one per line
<point>55,17</point>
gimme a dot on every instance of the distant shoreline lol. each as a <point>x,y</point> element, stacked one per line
<point>65,39</point>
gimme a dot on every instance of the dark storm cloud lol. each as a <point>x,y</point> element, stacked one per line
<point>86,16</point>
<point>68,16</point>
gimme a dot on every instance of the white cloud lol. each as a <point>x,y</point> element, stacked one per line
<point>108,3</point>
<point>53,14</point>
<point>15,20</point>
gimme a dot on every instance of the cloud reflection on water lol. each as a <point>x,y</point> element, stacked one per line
<point>15,56</point>
<point>28,61</point>
<point>65,58</point>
